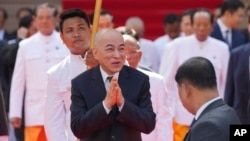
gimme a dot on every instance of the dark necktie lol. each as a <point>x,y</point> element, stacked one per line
<point>193,121</point>
<point>108,80</point>
<point>227,37</point>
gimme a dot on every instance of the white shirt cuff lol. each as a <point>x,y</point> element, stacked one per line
<point>106,108</point>
<point>120,107</point>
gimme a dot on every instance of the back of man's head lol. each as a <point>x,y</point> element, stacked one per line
<point>197,71</point>
<point>231,6</point>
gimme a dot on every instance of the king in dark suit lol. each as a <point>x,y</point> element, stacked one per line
<point>199,95</point>
<point>121,111</point>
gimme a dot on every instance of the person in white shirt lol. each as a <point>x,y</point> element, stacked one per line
<point>35,56</point>
<point>106,19</point>
<point>185,23</point>
<point>75,32</point>
<point>149,58</point>
<point>163,130</point>
<point>179,50</point>
<point>172,31</point>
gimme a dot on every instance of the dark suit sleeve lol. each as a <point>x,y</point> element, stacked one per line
<point>3,125</point>
<point>229,90</point>
<point>141,115</point>
<point>86,120</point>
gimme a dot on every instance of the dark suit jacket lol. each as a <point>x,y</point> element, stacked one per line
<point>9,36</point>
<point>89,120</point>
<point>3,120</point>
<point>9,59</point>
<point>2,74</point>
<point>213,123</point>
<point>237,86</point>
<point>237,37</point>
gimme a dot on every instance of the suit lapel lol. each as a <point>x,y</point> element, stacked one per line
<point>98,87</point>
<point>123,81</point>
<point>218,33</point>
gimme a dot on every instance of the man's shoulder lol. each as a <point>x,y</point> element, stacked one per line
<point>217,42</point>
<point>136,74</point>
<point>86,75</point>
<point>241,49</point>
<point>57,69</point>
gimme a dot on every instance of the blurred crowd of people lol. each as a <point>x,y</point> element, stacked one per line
<point>35,93</point>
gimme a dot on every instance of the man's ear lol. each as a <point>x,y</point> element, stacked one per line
<point>61,36</point>
<point>188,89</point>
<point>94,51</point>
<point>139,54</point>
<point>91,28</point>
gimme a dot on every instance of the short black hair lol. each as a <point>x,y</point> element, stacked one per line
<point>188,12</point>
<point>26,21</point>
<point>29,10</point>
<point>47,5</point>
<point>102,13</point>
<point>70,13</point>
<point>5,14</point>
<point>171,19</point>
<point>202,10</point>
<point>231,5</point>
<point>198,71</point>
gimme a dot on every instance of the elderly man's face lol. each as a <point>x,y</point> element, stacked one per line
<point>110,51</point>
<point>45,20</point>
<point>202,25</point>
<point>133,53</point>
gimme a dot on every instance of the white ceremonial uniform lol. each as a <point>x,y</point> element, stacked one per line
<point>149,58</point>
<point>35,56</point>
<point>58,99</point>
<point>182,49</point>
<point>160,44</point>
<point>163,129</point>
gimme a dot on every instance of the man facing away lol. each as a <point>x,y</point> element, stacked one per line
<point>75,32</point>
<point>111,101</point>
<point>198,93</point>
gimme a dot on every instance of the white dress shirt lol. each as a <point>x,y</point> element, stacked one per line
<point>160,44</point>
<point>1,34</point>
<point>149,58</point>
<point>35,56</point>
<point>224,29</point>
<point>58,99</point>
<point>160,101</point>
<point>182,49</point>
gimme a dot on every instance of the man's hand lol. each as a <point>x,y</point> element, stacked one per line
<point>118,93</point>
<point>90,60</point>
<point>16,122</point>
<point>110,98</point>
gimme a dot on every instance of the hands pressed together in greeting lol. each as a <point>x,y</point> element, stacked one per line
<point>114,95</point>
